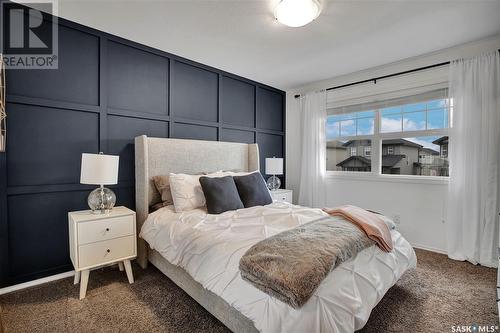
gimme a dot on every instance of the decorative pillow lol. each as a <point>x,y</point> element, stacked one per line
<point>186,192</point>
<point>221,194</point>
<point>223,173</point>
<point>237,173</point>
<point>233,171</point>
<point>157,206</point>
<point>162,184</point>
<point>253,190</point>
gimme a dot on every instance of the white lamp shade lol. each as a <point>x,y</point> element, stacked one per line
<point>274,166</point>
<point>99,169</point>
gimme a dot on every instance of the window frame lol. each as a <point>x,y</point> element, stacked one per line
<point>376,153</point>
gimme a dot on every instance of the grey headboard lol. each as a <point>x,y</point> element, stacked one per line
<point>161,156</point>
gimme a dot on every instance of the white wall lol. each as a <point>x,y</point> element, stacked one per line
<point>421,205</point>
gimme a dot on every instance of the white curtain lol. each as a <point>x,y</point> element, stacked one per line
<point>474,153</point>
<point>313,158</point>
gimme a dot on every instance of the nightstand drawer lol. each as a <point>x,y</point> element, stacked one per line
<point>106,251</point>
<point>104,229</point>
<point>282,196</point>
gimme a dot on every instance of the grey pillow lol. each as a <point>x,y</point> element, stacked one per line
<point>221,194</point>
<point>253,190</point>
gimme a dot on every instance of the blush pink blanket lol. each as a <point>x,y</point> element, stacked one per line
<point>372,225</point>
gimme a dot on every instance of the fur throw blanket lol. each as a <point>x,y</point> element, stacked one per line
<point>291,265</point>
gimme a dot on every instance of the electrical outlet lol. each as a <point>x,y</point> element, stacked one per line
<point>397,219</point>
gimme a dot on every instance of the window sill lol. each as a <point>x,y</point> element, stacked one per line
<point>368,176</point>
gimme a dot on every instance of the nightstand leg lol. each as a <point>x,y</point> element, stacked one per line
<point>120,266</point>
<point>128,269</point>
<point>77,277</point>
<point>83,283</point>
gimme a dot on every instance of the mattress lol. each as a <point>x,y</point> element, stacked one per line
<point>209,248</point>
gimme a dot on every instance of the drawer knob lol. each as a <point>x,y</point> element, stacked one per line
<point>107,229</point>
<point>108,250</point>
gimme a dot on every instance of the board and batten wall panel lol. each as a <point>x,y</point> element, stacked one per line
<point>61,135</point>
<point>78,69</point>
<point>268,105</point>
<point>237,102</point>
<point>193,131</point>
<point>107,91</point>
<point>270,145</point>
<point>136,80</point>
<point>194,92</point>
<point>234,135</point>
<point>121,134</point>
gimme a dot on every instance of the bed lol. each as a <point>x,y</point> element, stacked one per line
<point>200,252</point>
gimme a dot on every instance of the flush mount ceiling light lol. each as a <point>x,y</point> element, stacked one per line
<point>297,13</point>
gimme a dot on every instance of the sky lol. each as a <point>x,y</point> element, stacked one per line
<point>410,117</point>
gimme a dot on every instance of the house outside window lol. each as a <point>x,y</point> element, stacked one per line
<point>443,146</point>
<point>408,136</point>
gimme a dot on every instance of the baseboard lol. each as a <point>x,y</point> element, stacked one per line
<point>33,283</point>
<point>429,248</point>
<point>1,323</point>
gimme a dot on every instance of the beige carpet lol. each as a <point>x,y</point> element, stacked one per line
<point>438,294</point>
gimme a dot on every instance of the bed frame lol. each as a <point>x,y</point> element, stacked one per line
<point>161,156</point>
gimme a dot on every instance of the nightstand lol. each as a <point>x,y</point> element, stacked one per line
<point>282,195</point>
<point>101,239</point>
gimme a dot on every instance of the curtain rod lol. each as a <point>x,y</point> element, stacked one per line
<point>375,79</point>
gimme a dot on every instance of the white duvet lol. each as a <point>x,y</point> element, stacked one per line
<point>209,248</point>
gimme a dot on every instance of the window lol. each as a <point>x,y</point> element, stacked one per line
<point>337,158</point>
<point>343,131</point>
<point>444,151</point>
<point>350,124</point>
<point>418,156</point>
<point>415,117</point>
<point>409,136</point>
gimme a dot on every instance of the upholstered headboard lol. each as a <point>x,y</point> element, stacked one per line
<point>161,156</point>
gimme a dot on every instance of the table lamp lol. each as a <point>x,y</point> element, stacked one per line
<point>274,166</point>
<point>100,169</point>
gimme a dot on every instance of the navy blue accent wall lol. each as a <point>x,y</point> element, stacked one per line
<point>106,91</point>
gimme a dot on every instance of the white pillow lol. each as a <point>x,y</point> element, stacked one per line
<point>238,173</point>
<point>187,193</point>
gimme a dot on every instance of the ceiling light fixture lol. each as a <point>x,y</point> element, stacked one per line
<point>297,13</point>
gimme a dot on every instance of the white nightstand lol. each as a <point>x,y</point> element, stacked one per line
<point>101,239</point>
<point>282,195</point>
